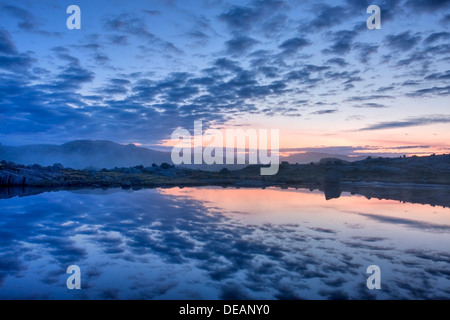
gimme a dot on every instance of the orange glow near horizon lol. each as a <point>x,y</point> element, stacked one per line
<point>296,135</point>
<point>368,145</point>
<point>260,205</point>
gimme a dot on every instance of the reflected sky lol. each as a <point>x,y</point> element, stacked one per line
<point>214,243</point>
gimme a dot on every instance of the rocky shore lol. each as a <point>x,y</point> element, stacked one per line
<point>417,170</point>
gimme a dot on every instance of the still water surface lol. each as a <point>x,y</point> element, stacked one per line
<point>214,243</point>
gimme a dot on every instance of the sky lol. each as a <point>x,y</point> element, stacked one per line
<point>138,70</point>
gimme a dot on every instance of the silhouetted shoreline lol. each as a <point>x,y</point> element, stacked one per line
<point>423,180</point>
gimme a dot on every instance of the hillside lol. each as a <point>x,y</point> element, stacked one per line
<point>81,154</point>
<point>307,157</point>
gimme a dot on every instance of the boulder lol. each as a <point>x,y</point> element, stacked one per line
<point>332,191</point>
<point>4,178</point>
<point>332,176</point>
<point>11,179</point>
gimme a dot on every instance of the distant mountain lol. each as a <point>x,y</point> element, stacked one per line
<point>308,157</point>
<point>99,154</point>
<point>81,154</point>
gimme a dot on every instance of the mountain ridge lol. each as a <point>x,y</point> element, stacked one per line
<point>81,154</point>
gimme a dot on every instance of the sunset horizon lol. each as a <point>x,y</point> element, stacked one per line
<point>313,71</point>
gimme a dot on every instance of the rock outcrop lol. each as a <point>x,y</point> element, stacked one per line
<point>12,174</point>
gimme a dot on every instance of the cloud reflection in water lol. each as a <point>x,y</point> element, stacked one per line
<point>186,244</point>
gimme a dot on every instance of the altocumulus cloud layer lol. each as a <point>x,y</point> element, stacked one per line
<point>136,71</point>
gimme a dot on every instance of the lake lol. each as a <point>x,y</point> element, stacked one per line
<point>221,243</point>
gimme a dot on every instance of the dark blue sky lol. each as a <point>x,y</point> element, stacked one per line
<point>139,69</point>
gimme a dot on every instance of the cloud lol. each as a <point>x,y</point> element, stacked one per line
<point>369,97</point>
<point>275,25</point>
<point>293,45</point>
<point>198,35</point>
<point>343,42</point>
<point>118,39</point>
<point>240,45</point>
<point>7,46</point>
<point>441,91</point>
<point>326,16</point>
<point>327,111</point>
<point>237,260</point>
<point>201,29</point>
<point>445,19</point>
<point>370,105</point>
<point>334,294</point>
<point>338,61</point>
<point>344,77</point>
<point>301,74</point>
<point>152,12</point>
<point>266,66</point>
<point>135,26</point>
<point>225,64</point>
<point>16,63</point>
<point>26,20</point>
<point>428,5</point>
<point>410,83</point>
<point>439,76</point>
<point>417,58</point>
<point>239,17</point>
<point>72,77</point>
<point>431,227</point>
<point>403,41</point>
<point>116,86</point>
<point>169,102</point>
<point>129,24</point>
<point>101,58</point>
<point>366,51</point>
<point>258,13</point>
<point>411,122</point>
<point>436,37</point>
<point>172,101</point>
<point>384,89</point>
<point>10,59</point>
